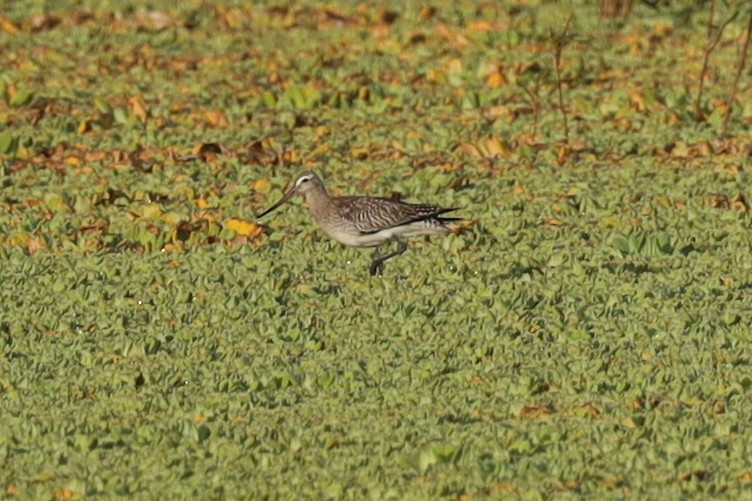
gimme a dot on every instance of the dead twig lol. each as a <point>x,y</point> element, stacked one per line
<point>739,69</point>
<point>709,48</point>
<point>534,96</point>
<point>561,41</point>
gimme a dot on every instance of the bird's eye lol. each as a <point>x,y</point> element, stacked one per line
<point>305,179</point>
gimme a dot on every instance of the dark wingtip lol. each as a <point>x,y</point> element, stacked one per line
<point>442,210</point>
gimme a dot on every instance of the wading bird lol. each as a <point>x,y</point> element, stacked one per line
<point>366,221</point>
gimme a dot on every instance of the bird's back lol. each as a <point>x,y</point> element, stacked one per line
<point>374,214</point>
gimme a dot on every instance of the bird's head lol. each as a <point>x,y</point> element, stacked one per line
<point>305,183</point>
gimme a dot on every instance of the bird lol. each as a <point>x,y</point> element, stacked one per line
<point>366,221</point>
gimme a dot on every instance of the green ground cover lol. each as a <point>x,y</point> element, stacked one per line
<point>585,333</point>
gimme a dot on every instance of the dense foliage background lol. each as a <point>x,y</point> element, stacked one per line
<point>585,332</point>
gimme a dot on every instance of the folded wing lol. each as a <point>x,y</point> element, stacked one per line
<point>371,214</point>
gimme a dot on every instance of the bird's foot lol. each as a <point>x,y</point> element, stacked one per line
<point>376,268</point>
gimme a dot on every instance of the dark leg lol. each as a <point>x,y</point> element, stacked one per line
<point>377,264</point>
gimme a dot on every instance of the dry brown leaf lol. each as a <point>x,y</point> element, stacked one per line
<point>479,26</point>
<point>563,155</point>
<point>154,20</point>
<point>64,494</point>
<point>7,26</point>
<point>739,203</point>
<point>500,111</point>
<point>718,201</point>
<point>34,244</point>
<point>505,487</point>
<point>637,99</point>
<point>471,149</point>
<point>700,475</point>
<point>495,79</point>
<point>591,409</point>
<point>535,412</point>
<point>719,407</point>
<point>216,118</point>
<point>495,76</point>
<point>426,12</point>
<point>138,108</point>
<point>40,22</point>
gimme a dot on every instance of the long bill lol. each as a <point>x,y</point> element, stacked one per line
<point>281,201</point>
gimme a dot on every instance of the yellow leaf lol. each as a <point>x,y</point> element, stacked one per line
<point>202,202</point>
<point>291,156</point>
<point>84,126</point>
<point>321,149</point>
<point>151,211</point>
<point>495,79</point>
<point>505,487</point>
<point>262,186</point>
<point>7,26</point>
<point>241,227</point>
<point>471,150</point>
<point>64,494</point>
<point>436,75</point>
<point>24,153</point>
<point>479,26</point>
<point>454,66</point>
<point>494,147</point>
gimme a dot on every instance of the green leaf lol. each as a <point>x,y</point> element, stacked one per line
<point>7,142</point>
<point>21,97</point>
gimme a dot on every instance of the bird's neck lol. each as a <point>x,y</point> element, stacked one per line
<point>318,200</point>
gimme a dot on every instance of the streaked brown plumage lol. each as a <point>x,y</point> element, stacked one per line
<point>367,221</point>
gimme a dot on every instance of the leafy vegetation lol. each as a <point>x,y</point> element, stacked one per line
<point>584,333</point>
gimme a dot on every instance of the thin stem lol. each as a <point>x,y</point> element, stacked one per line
<point>561,41</point>
<point>534,100</point>
<point>709,48</point>
<point>739,69</point>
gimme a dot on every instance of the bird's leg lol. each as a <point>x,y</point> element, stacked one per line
<point>377,264</point>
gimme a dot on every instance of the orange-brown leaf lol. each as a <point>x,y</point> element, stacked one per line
<point>7,26</point>
<point>216,118</point>
<point>64,494</point>
<point>535,412</point>
<point>138,108</point>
